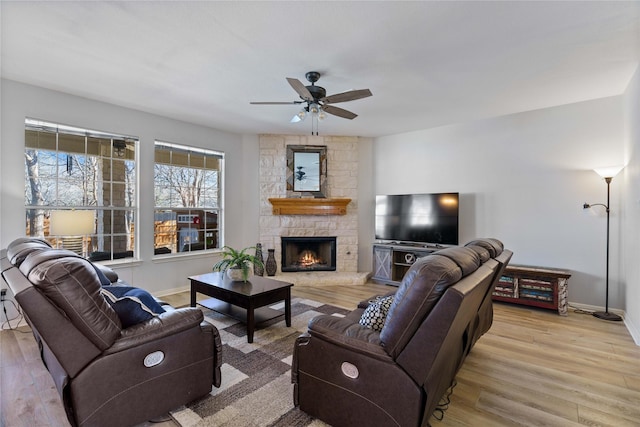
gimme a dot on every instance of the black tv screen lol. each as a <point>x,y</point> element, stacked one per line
<point>419,218</point>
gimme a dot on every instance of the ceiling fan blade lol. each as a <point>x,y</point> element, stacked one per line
<point>339,112</point>
<point>300,88</point>
<point>347,96</point>
<point>276,103</point>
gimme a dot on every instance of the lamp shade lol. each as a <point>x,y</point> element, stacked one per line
<point>609,172</point>
<point>71,223</point>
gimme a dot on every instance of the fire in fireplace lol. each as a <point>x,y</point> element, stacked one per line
<point>308,254</point>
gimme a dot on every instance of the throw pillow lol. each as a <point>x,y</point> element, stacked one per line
<point>375,314</point>
<point>133,305</point>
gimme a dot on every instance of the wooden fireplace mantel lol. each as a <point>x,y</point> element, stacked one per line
<point>309,206</point>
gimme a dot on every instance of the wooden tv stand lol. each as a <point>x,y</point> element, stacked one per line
<point>534,286</point>
<point>391,261</point>
<point>520,284</point>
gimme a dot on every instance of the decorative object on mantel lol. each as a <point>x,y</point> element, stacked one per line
<point>271,267</point>
<point>288,206</point>
<point>258,270</point>
<point>306,170</point>
<point>236,264</point>
<point>608,174</point>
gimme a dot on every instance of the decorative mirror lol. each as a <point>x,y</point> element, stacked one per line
<point>306,170</point>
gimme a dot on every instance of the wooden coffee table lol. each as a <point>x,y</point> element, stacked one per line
<point>244,301</point>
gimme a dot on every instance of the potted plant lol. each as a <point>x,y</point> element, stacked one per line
<point>237,264</point>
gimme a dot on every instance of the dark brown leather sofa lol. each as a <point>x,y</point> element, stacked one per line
<point>108,375</point>
<point>346,374</point>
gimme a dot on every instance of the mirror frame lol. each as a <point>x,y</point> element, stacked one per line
<point>292,151</point>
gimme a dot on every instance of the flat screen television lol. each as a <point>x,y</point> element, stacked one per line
<point>418,218</point>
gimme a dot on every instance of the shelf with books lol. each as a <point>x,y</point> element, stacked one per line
<point>534,286</point>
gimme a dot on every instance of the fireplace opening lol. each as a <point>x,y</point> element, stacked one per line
<point>308,254</point>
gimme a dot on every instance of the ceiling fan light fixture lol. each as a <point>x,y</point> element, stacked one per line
<point>322,115</point>
<point>314,108</point>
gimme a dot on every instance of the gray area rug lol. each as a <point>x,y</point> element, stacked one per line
<point>256,387</point>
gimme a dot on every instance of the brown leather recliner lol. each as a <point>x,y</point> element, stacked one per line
<point>346,374</point>
<point>494,249</point>
<point>108,375</point>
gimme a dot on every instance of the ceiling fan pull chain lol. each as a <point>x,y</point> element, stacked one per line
<point>314,121</point>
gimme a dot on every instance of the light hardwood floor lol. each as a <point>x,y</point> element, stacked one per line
<point>533,368</point>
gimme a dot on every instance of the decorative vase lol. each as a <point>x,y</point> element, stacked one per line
<point>258,270</point>
<point>235,274</point>
<point>270,266</point>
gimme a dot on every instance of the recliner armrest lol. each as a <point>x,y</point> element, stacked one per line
<point>342,375</point>
<point>345,333</point>
<point>162,325</point>
<point>107,271</point>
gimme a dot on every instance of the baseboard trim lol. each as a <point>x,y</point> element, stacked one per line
<point>591,308</point>
<point>172,291</point>
<point>633,331</point>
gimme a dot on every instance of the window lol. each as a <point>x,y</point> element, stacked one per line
<point>187,198</point>
<point>80,189</point>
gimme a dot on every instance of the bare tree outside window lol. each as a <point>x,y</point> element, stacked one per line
<point>187,198</point>
<point>35,216</point>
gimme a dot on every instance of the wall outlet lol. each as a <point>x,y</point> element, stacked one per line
<point>3,294</point>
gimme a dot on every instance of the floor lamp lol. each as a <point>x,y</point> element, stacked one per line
<point>607,174</point>
<point>72,226</point>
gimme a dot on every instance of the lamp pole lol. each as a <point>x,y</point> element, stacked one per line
<point>605,315</point>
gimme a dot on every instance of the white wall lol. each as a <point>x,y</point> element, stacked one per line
<point>20,101</point>
<point>523,179</point>
<point>631,217</point>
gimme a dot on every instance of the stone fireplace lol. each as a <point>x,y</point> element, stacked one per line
<point>308,254</point>
<point>342,183</point>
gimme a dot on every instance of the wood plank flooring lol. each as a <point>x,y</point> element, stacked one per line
<point>533,368</point>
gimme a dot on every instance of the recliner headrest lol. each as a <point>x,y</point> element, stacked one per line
<point>483,253</point>
<point>494,246</point>
<point>20,248</point>
<point>38,257</point>
<point>467,259</point>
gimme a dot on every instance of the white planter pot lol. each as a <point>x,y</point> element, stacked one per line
<point>235,274</point>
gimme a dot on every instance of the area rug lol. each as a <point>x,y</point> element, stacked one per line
<point>256,389</point>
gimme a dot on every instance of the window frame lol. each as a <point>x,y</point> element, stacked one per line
<point>105,200</point>
<point>207,218</point>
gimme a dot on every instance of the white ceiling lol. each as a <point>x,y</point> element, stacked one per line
<point>427,63</point>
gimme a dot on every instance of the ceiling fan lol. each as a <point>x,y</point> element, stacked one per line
<point>316,99</point>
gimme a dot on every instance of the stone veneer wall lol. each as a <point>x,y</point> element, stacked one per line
<point>342,182</point>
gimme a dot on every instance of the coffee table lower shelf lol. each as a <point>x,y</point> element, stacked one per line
<point>261,314</point>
